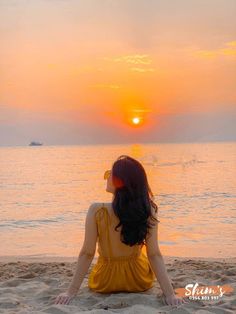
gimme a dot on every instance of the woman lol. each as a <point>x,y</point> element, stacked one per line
<point>123,228</point>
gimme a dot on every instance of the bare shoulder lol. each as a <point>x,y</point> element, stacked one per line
<point>101,204</point>
<point>94,207</point>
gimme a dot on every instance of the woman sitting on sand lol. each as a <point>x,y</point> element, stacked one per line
<point>122,228</point>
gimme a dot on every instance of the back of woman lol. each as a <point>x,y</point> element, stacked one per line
<point>122,231</point>
<point>126,232</point>
<point>106,223</point>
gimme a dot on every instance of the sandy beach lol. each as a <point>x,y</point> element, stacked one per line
<point>30,284</point>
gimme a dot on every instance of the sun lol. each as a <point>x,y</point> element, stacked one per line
<point>136,120</point>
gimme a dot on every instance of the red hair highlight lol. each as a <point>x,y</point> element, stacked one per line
<point>118,183</point>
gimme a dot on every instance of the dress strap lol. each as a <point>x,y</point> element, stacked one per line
<point>107,218</point>
<point>108,222</point>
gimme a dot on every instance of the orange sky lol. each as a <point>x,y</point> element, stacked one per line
<point>98,62</point>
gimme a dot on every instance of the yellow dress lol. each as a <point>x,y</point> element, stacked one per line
<point>129,273</point>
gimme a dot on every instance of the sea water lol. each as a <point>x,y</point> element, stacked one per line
<point>45,192</point>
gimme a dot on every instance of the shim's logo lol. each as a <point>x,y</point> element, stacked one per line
<point>195,292</point>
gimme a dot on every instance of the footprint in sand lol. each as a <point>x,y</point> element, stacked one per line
<point>29,275</point>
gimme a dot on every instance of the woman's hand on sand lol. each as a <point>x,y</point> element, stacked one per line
<point>64,298</point>
<point>174,300</point>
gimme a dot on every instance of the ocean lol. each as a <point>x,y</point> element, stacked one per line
<point>45,192</point>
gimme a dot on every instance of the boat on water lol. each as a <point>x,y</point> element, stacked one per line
<point>35,144</point>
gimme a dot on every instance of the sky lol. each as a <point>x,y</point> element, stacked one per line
<point>79,71</point>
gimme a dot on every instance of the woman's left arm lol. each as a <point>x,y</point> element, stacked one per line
<point>85,258</point>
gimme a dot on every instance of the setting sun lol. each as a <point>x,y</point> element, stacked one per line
<point>136,120</point>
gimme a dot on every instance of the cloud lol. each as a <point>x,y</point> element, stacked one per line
<point>206,53</point>
<point>133,59</point>
<point>142,110</point>
<point>141,60</point>
<point>229,49</point>
<point>142,70</point>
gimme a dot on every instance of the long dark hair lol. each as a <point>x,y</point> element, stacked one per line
<point>132,202</point>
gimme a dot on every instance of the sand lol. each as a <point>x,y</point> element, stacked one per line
<point>30,285</point>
